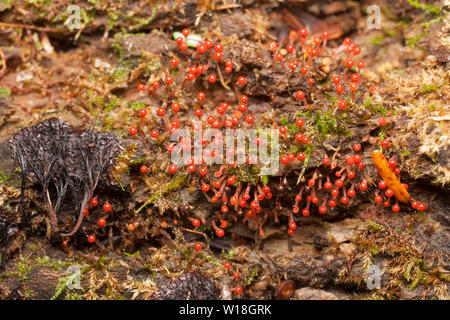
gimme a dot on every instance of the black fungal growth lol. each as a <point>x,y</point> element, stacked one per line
<point>7,229</point>
<point>66,164</point>
<point>192,286</point>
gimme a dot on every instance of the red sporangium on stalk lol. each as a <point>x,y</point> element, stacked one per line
<point>300,95</point>
<point>325,36</point>
<point>219,231</point>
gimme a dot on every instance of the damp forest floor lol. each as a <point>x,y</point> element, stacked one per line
<point>88,77</point>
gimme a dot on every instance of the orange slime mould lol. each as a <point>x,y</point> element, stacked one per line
<point>389,177</point>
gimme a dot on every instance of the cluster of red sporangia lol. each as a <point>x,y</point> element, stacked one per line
<point>101,222</point>
<point>227,266</point>
<point>306,52</point>
<point>333,184</point>
<point>326,187</point>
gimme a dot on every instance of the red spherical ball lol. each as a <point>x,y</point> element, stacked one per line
<point>143,112</point>
<point>133,131</point>
<point>94,202</point>
<point>385,143</point>
<point>173,169</point>
<point>101,222</point>
<point>212,78</point>
<point>299,122</point>
<point>174,62</point>
<point>300,95</point>
<point>107,207</point>
<point>91,238</point>
<point>144,168</point>
<point>242,80</point>
<point>196,222</point>
<point>220,233</point>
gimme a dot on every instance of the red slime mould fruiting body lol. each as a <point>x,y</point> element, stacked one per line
<point>234,191</point>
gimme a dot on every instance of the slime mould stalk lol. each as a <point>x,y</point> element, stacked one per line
<point>389,177</point>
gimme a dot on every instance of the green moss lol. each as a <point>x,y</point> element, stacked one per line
<point>373,107</point>
<point>136,104</point>
<point>427,7</point>
<point>326,124</point>
<point>392,33</point>
<point>253,275</point>
<point>113,103</point>
<point>119,49</point>
<point>120,74</point>
<point>406,153</point>
<point>73,296</point>
<point>413,42</point>
<point>331,99</point>
<point>67,285</point>
<point>304,115</point>
<point>5,93</point>
<point>247,173</point>
<point>112,16</point>
<point>387,12</point>
<point>433,21</point>
<point>101,262</point>
<point>45,3</point>
<point>229,254</point>
<point>136,161</point>
<point>124,35</point>
<point>87,16</point>
<point>307,153</point>
<point>265,179</point>
<point>136,255</point>
<point>428,89</point>
<point>107,124</point>
<point>174,184</point>
<point>143,22</point>
<point>431,107</point>
<point>28,293</point>
<point>6,179</point>
<point>7,3</point>
<point>47,262</point>
<point>377,40</point>
<point>375,226</point>
<point>152,66</point>
<point>23,268</point>
<point>295,149</point>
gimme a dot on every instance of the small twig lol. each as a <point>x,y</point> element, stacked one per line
<point>194,231</point>
<point>336,151</point>
<point>2,63</point>
<point>272,37</point>
<point>24,26</point>
<point>111,238</point>
<point>221,78</point>
<point>166,235</point>
<point>228,6</point>
<point>43,243</point>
